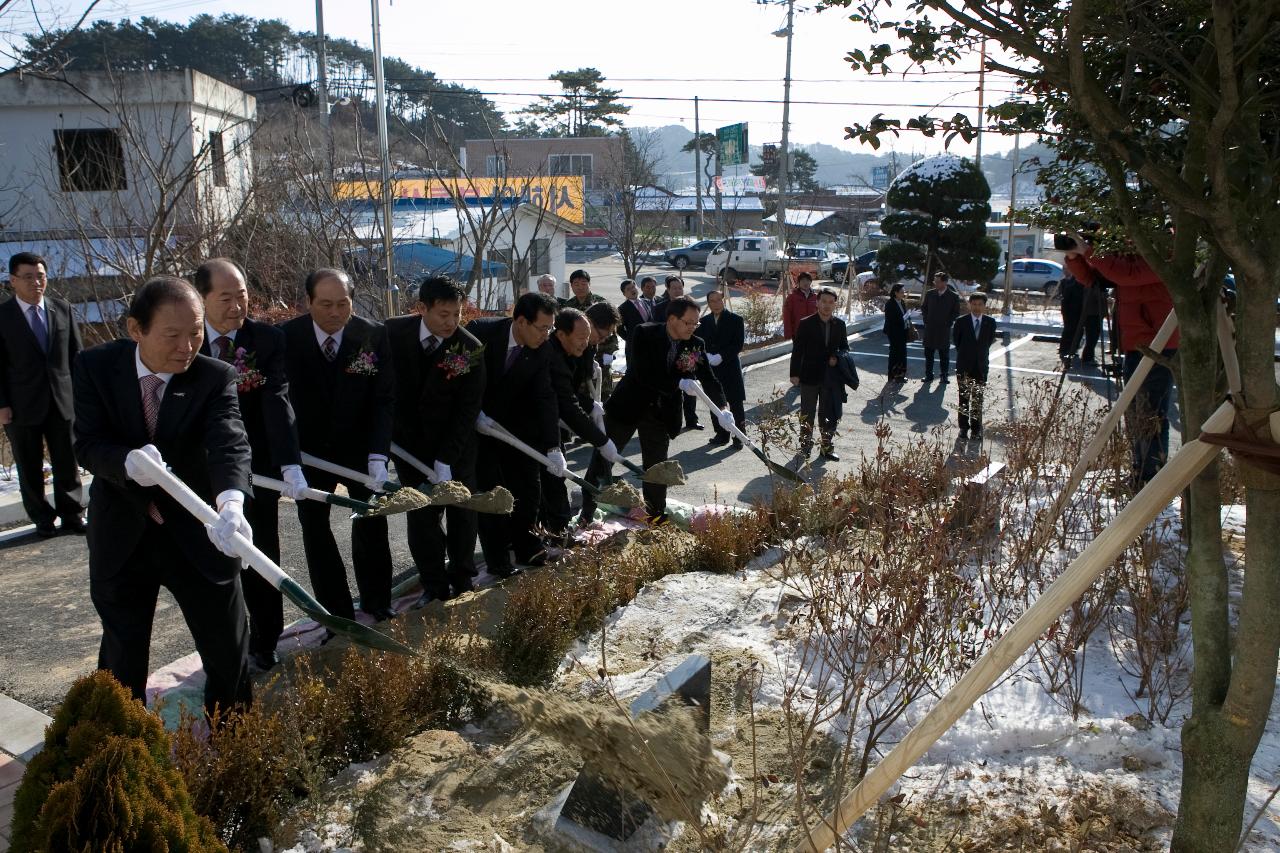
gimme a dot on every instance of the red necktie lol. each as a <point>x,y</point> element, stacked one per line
<point>224,348</point>
<point>151,385</point>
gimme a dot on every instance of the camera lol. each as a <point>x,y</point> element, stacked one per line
<point>1067,242</point>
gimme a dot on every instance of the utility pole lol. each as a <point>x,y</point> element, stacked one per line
<point>784,161</point>
<point>1008,255</point>
<point>697,167</point>
<point>719,196</point>
<point>322,81</point>
<point>380,87</point>
<point>982,88</point>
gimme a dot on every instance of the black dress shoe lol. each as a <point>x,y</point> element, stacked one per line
<point>806,450</point>
<point>964,435</point>
<point>538,559</point>
<point>46,530</point>
<point>829,453</point>
<point>945,381</point>
<point>719,440</point>
<point>74,524</point>
<point>928,377</point>
<point>659,520</point>
<point>263,661</point>
<point>695,425</point>
<point>428,596</point>
<point>460,586</point>
<point>737,444</point>
<point>381,614</point>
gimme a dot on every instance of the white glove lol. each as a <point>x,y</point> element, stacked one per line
<point>606,359</point>
<point>687,386</point>
<point>230,521</point>
<point>442,472</point>
<point>483,420</point>
<point>725,418</point>
<point>134,469</point>
<point>295,483</point>
<point>597,414</point>
<point>610,451</point>
<point>378,472</point>
<point>556,463</point>
<point>714,359</point>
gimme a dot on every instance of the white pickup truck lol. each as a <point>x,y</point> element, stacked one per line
<point>746,257</point>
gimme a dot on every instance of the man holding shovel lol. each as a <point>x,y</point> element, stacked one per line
<point>342,388</point>
<point>440,377</point>
<point>649,400</point>
<point>256,352</point>
<point>154,391</point>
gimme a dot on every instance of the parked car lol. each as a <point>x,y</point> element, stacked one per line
<point>690,256</point>
<point>814,254</point>
<point>866,262</point>
<point>1032,274</point>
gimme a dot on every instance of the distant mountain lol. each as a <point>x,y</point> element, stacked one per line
<point>836,166</point>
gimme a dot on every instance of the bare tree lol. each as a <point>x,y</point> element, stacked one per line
<point>636,212</point>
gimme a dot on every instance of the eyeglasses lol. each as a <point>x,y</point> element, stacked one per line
<point>32,277</point>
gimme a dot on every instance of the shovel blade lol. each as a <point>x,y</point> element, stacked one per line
<point>361,634</point>
<point>781,470</point>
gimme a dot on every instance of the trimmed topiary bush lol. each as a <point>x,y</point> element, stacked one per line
<point>104,781</point>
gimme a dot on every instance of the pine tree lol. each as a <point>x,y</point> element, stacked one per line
<point>585,108</point>
<point>941,207</point>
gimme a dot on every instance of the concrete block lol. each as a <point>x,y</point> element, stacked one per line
<point>21,728</point>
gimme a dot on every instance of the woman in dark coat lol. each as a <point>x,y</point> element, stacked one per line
<point>896,329</point>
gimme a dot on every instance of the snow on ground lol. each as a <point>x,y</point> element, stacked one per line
<point>1017,746</point>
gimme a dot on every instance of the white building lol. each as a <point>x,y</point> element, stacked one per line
<point>117,155</point>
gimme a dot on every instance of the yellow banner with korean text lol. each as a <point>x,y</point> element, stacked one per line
<point>561,196</point>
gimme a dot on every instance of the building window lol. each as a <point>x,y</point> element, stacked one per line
<point>90,160</point>
<point>495,166</point>
<point>562,165</point>
<point>540,257</point>
<point>218,158</point>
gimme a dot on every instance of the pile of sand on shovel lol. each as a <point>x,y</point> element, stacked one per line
<point>621,494</point>
<point>401,500</point>
<point>496,501</point>
<point>661,757</point>
<point>667,473</point>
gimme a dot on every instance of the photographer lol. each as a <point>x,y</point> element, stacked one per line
<point>1142,304</point>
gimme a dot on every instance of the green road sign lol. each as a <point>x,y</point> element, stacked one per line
<point>733,144</point>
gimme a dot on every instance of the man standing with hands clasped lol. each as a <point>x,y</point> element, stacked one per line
<point>973,335</point>
<point>818,339</point>
<point>940,308</point>
<point>39,341</point>
<point>154,391</point>
<point>342,388</point>
<point>256,352</point>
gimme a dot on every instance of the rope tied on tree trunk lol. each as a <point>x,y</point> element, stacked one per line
<point>1251,442</point>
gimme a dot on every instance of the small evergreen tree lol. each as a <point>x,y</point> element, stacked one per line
<point>585,108</point>
<point>941,207</point>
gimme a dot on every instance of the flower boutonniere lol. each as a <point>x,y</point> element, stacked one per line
<point>687,361</point>
<point>249,376</point>
<point>457,361</point>
<point>363,363</point>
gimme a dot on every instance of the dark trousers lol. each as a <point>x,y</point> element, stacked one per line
<point>499,464</point>
<point>1148,418</point>
<point>1073,329</point>
<point>436,532</point>
<point>370,552</point>
<point>824,400</point>
<point>970,390</point>
<point>28,444</point>
<point>739,418</point>
<point>126,604</point>
<point>654,443</point>
<point>557,510</point>
<point>897,368</point>
<point>261,599</point>
<point>944,357</point>
<point>690,410</point>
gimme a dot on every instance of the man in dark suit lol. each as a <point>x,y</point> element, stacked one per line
<point>635,310</point>
<point>972,335</point>
<point>571,368</point>
<point>157,393</point>
<point>342,387</point>
<point>939,309</point>
<point>440,377</point>
<point>519,396</point>
<point>813,367</point>
<point>256,351</point>
<point>38,344</point>
<point>648,401</point>
<point>674,289</point>
<point>724,333</point>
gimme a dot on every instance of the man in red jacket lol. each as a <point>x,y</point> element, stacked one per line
<point>1142,304</point>
<point>800,303</point>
